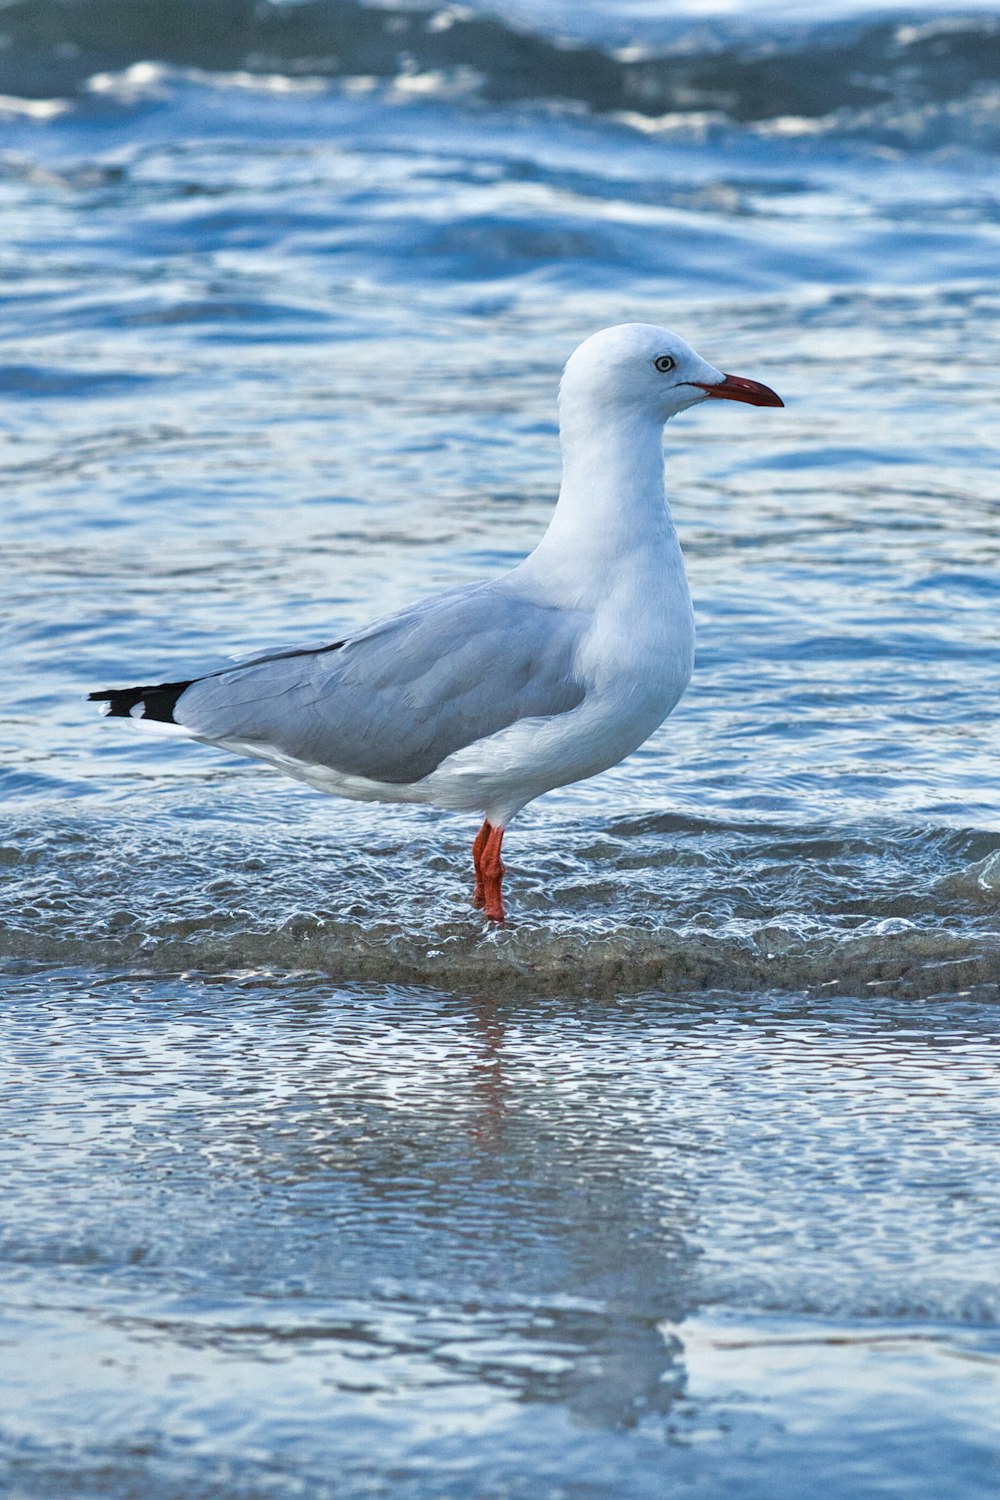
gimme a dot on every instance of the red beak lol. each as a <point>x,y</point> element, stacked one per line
<point>738,388</point>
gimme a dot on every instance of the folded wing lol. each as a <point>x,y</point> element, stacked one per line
<point>392,702</point>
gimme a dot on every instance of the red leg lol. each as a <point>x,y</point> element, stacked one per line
<point>491,870</point>
<point>478,897</point>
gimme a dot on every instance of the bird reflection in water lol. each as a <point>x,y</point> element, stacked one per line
<point>489,1084</point>
<point>614,1266</point>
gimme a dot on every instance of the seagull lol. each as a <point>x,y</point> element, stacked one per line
<point>481,698</point>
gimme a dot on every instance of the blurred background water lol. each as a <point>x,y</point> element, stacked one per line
<point>687,1179</point>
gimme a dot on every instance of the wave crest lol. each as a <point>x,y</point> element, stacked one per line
<point>908,84</point>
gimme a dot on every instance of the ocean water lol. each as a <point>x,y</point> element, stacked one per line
<point>685,1181</point>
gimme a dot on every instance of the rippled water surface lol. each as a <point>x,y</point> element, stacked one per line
<point>272,1236</point>
<point>686,1178</point>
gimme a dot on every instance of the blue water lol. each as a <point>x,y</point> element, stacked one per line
<point>686,1180</point>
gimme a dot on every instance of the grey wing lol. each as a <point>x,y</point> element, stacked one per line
<point>392,702</point>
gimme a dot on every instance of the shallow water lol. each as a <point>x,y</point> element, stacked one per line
<point>273,1236</point>
<point>686,1177</point>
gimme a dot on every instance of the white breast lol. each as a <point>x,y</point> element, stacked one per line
<point>636,662</point>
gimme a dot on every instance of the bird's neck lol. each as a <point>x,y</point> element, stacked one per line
<point>612,505</point>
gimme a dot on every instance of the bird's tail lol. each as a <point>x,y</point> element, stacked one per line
<point>156,703</point>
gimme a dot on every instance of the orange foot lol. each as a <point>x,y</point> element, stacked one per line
<point>488,892</point>
<point>491,871</point>
<point>481,840</point>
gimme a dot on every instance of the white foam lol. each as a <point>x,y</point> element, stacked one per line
<point>34,109</point>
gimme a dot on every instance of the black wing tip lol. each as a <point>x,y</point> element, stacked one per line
<point>156,702</point>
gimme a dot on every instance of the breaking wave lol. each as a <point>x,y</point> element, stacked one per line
<point>656,902</point>
<point>916,84</point>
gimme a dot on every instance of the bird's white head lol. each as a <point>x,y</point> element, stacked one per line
<point>642,369</point>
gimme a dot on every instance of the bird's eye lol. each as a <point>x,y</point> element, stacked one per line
<point>664,363</point>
